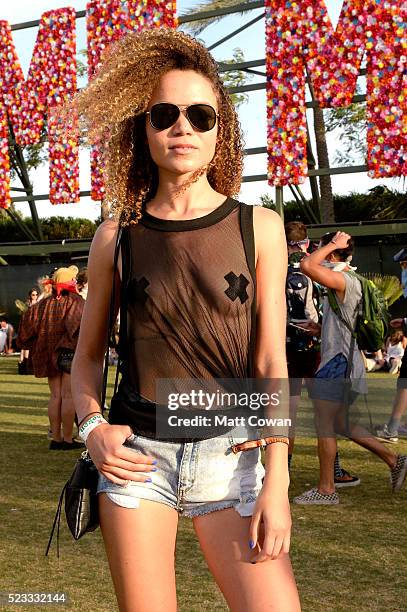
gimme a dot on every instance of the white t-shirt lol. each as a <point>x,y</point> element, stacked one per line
<point>395,351</point>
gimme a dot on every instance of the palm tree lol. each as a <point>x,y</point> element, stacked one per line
<point>325,200</point>
<point>390,286</point>
<point>326,204</point>
<point>198,25</point>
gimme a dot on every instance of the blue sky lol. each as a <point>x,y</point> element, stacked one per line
<point>252,114</point>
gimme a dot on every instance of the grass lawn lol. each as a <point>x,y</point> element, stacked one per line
<point>350,557</point>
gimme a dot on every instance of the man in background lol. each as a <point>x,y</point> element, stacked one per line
<point>6,336</point>
<point>303,332</point>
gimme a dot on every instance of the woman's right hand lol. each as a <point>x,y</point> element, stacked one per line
<point>116,462</point>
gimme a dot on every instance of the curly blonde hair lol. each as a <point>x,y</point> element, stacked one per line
<point>112,110</point>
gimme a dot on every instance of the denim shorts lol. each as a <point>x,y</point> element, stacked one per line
<point>333,390</point>
<point>194,478</point>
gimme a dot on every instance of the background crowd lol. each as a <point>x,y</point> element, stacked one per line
<point>318,346</point>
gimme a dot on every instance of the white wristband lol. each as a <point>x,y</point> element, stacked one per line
<point>90,425</point>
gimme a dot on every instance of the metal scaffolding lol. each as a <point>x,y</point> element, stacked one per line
<point>248,66</point>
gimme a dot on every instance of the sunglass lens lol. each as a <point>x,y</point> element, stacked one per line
<point>202,116</point>
<point>164,115</point>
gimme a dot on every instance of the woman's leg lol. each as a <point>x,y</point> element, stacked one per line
<point>67,408</point>
<point>140,547</point>
<point>54,406</point>
<point>224,539</point>
<point>24,354</point>
<point>294,401</point>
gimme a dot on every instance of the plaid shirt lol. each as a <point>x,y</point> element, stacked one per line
<point>46,327</point>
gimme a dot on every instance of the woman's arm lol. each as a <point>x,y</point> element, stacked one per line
<point>312,265</point>
<point>105,442</point>
<point>272,506</point>
<point>9,342</point>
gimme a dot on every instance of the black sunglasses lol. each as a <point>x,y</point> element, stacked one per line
<point>201,116</point>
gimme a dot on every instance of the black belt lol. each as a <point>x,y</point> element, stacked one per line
<point>128,408</point>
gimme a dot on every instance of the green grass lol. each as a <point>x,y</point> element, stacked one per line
<point>346,558</point>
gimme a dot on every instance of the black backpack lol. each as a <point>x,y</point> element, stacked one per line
<point>302,299</point>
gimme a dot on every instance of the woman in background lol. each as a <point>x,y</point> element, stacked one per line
<point>50,329</point>
<point>23,364</point>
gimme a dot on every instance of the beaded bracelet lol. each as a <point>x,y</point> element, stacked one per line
<point>249,444</point>
<point>90,425</point>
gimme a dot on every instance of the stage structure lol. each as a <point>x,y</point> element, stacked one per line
<point>299,36</point>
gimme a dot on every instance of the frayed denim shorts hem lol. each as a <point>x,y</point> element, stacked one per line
<point>194,478</point>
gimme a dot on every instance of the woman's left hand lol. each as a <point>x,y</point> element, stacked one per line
<point>273,510</point>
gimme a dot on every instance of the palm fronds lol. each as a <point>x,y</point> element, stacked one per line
<point>196,27</point>
<point>22,306</point>
<point>390,286</point>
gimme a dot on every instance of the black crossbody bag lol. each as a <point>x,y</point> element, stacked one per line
<point>81,503</point>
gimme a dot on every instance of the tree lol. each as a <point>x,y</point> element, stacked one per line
<point>390,286</point>
<point>198,25</point>
<point>236,78</point>
<point>350,121</point>
<point>378,204</point>
<point>326,203</point>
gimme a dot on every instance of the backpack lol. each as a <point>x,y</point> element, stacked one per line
<point>302,301</point>
<point>373,318</point>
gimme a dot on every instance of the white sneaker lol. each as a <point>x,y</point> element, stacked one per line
<point>385,435</point>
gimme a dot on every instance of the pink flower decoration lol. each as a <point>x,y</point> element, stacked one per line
<point>300,34</point>
<point>51,80</point>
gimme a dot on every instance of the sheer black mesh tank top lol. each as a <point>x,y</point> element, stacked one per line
<point>187,306</point>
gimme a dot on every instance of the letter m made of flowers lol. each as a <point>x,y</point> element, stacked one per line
<point>27,104</point>
<point>300,34</point>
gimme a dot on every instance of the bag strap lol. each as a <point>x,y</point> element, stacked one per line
<point>333,302</point>
<point>123,349</point>
<point>247,231</point>
<point>57,522</point>
<point>110,321</point>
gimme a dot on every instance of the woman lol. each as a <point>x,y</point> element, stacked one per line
<point>173,159</point>
<point>82,283</point>
<point>395,347</point>
<point>47,328</point>
<point>23,367</point>
<point>32,296</point>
